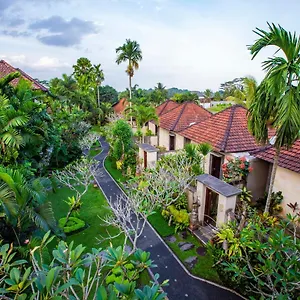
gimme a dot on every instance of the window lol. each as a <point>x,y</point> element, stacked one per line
<point>187,141</point>
<point>172,142</point>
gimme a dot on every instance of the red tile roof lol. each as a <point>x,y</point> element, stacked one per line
<point>120,106</point>
<point>288,159</point>
<point>226,131</point>
<point>166,106</point>
<point>6,68</point>
<point>183,116</point>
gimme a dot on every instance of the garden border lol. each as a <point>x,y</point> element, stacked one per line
<point>161,239</point>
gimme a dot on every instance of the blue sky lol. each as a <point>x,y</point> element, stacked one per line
<point>190,44</point>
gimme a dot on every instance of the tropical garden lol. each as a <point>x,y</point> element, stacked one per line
<point>62,239</point>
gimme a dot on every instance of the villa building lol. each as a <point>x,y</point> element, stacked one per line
<point>6,68</point>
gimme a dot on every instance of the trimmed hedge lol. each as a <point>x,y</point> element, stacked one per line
<point>73,224</point>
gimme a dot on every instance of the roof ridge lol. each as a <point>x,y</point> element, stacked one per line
<point>32,79</point>
<point>227,131</point>
<point>179,116</point>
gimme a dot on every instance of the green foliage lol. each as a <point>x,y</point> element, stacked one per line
<point>108,94</point>
<point>181,202</point>
<point>72,225</point>
<point>149,132</point>
<point>160,224</point>
<point>188,96</point>
<point>275,205</point>
<point>261,260</point>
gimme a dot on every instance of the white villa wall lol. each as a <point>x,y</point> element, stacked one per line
<point>288,182</point>
<point>164,139</point>
<point>151,126</point>
<point>179,142</point>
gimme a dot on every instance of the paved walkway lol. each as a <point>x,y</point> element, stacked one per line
<point>181,284</point>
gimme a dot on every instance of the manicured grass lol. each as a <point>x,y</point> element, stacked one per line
<point>115,173</point>
<point>94,151</point>
<point>160,224</point>
<point>203,267</point>
<point>94,204</point>
<point>217,108</point>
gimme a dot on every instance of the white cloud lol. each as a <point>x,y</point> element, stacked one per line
<point>49,63</point>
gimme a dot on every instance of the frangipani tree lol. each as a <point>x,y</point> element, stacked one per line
<point>277,103</point>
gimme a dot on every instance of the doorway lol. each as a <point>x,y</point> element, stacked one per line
<point>172,142</point>
<point>215,167</point>
<point>211,207</point>
<point>145,160</point>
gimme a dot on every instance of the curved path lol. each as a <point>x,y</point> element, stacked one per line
<point>182,285</point>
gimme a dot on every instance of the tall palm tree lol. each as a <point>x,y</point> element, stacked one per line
<point>99,78</point>
<point>129,52</point>
<point>277,102</point>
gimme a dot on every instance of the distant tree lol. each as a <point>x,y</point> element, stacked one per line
<point>108,94</point>
<point>228,88</point>
<point>188,96</point>
<point>217,96</point>
<point>208,93</point>
<point>276,101</point>
<point>160,87</point>
<point>131,53</point>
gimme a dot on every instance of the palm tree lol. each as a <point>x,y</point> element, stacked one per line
<point>160,87</point>
<point>99,78</point>
<point>142,114</point>
<point>245,95</point>
<point>129,52</point>
<point>208,93</point>
<point>276,102</point>
<point>23,201</point>
<point>204,149</point>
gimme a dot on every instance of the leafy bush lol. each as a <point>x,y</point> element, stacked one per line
<point>149,132</point>
<point>180,218</point>
<point>275,206</point>
<point>181,202</point>
<point>72,225</point>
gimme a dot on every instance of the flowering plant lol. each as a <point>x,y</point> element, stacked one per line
<point>236,169</point>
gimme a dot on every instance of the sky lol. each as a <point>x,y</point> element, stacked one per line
<point>192,44</point>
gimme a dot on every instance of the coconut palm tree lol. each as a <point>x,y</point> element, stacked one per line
<point>276,102</point>
<point>99,78</point>
<point>129,52</point>
<point>160,87</point>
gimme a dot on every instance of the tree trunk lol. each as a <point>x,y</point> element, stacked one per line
<point>130,96</point>
<point>98,95</point>
<point>272,179</point>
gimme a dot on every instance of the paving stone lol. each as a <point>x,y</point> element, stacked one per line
<point>191,261</point>
<point>171,239</point>
<point>181,244</point>
<point>187,246</point>
<point>201,251</point>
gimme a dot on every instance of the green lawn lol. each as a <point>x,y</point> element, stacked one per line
<point>203,268</point>
<point>115,173</point>
<point>217,108</point>
<point>161,225</point>
<point>94,205</point>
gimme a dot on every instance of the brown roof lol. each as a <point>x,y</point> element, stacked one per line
<point>120,106</point>
<point>166,106</point>
<point>6,68</point>
<point>226,131</point>
<point>288,159</point>
<point>183,116</point>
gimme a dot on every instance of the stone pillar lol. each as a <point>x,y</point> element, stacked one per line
<point>201,201</point>
<point>225,204</point>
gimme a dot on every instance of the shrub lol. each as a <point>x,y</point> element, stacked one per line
<point>180,218</point>
<point>275,206</point>
<point>72,225</point>
<point>149,132</point>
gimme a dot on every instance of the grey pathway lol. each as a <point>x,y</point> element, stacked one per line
<point>182,285</point>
